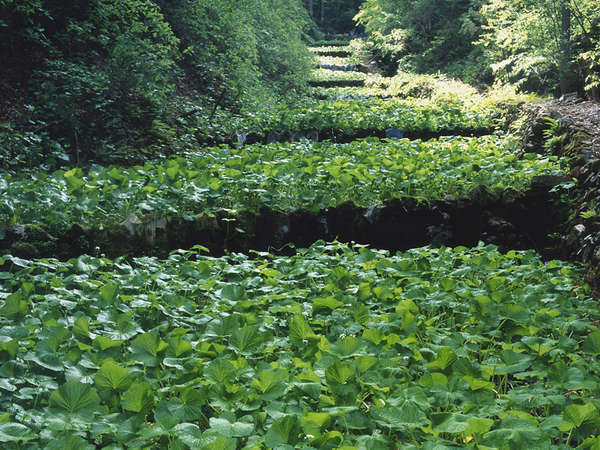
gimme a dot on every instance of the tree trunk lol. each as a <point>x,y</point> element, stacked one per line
<point>311,10</point>
<point>567,76</point>
<point>322,12</point>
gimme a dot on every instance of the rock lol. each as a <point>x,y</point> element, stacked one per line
<point>450,198</point>
<point>439,235</point>
<point>510,196</point>
<point>575,236</point>
<point>312,135</point>
<point>482,195</point>
<point>548,181</point>
<point>592,165</point>
<point>131,223</point>
<point>597,255</point>
<point>18,230</point>
<point>273,137</point>
<point>372,214</point>
<point>146,228</point>
<point>393,133</point>
<point>570,98</point>
<point>207,221</point>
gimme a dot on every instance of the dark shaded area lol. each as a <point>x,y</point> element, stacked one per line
<point>340,136</point>
<point>512,220</point>
<point>336,53</point>
<point>336,83</point>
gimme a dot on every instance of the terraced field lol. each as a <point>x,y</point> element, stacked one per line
<point>335,345</point>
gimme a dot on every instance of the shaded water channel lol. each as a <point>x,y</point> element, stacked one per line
<point>513,220</point>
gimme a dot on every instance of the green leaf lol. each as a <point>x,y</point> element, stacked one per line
<point>517,437</point>
<point>515,362</point>
<point>340,372</point>
<point>347,347</point>
<point>445,358</point>
<point>172,171</point>
<point>69,443</point>
<point>191,435</point>
<point>325,304</point>
<point>366,362</point>
<point>109,291</point>
<point>284,430</point>
<point>313,390</point>
<point>580,414</point>
<point>406,417</point>
<point>225,428</point>
<point>75,397</point>
<point>247,340</point>
<point>104,343</point>
<point>592,343</point>
<point>73,180</point>
<point>478,425</point>
<point>375,335</point>
<point>314,422</point>
<point>117,176</point>
<point>232,293</point>
<point>193,400</point>
<point>81,329</point>
<point>113,377</point>
<point>146,348</point>
<point>220,371</point>
<point>15,432</point>
<point>9,345</point>
<point>300,331</point>
<point>477,383</point>
<point>217,442</point>
<point>15,305</point>
<point>269,383</point>
<point>179,346</point>
<point>331,439</point>
<point>449,422</point>
<point>138,398</point>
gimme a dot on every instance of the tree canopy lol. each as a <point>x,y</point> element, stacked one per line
<point>539,45</point>
<point>104,75</point>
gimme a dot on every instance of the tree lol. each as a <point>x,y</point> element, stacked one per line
<point>536,42</point>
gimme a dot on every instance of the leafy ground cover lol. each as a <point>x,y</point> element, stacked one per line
<point>331,43</point>
<point>340,118</point>
<point>425,87</point>
<point>349,116</point>
<point>336,75</point>
<point>335,61</point>
<point>333,346</point>
<point>332,50</point>
<point>423,103</point>
<point>284,177</point>
<point>337,92</point>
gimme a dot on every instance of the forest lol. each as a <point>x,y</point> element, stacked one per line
<point>319,224</point>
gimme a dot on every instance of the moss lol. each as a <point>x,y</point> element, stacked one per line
<point>35,232</point>
<point>25,250</point>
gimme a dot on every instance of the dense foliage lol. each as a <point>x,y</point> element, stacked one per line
<point>335,117</point>
<point>103,79</point>
<point>334,346</point>
<point>283,177</point>
<point>333,16</point>
<point>541,45</point>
